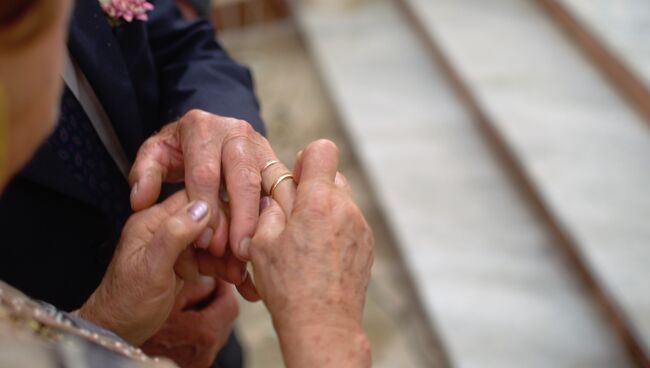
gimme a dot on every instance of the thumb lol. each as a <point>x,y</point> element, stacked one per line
<point>271,224</point>
<point>176,233</point>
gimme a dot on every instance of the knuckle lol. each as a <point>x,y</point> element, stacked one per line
<point>259,246</point>
<point>321,201</point>
<point>321,212</point>
<point>242,179</point>
<point>247,179</point>
<point>239,130</point>
<point>147,147</point>
<point>195,115</point>
<point>206,174</point>
<point>138,223</point>
<point>242,126</point>
<point>345,206</point>
<point>262,145</point>
<point>352,212</point>
<point>199,121</point>
<point>261,140</point>
<point>235,150</point>
<point>175,228</point>
<point>147,150</point>
<point>234,124</point>
<point>133,220</point>
<point>322,189</point>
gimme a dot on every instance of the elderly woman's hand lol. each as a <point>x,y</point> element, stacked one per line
<point>312,266</point>
<point>140,286</point>
<point>199,324</point>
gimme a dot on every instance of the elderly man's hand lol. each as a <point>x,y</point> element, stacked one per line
<point>198,326</point>
<point>206,151</point>
<point>312,266</point>
<point>148,269</point>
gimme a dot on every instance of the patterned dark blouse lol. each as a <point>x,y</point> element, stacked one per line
<point>36,334</point>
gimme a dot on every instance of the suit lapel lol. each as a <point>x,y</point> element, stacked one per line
<point>97,52</point>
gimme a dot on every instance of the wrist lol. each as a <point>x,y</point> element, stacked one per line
<point>95,310</point>
<point>92,312</point>
<point>333,340</point>
<point>98,310</point>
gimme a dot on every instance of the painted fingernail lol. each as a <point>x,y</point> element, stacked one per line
<point>205,238</point>
<point>198,210</point>
<point>244,244</point>
<point>264,203</point>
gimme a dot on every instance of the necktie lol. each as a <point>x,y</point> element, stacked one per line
<point>77,144</point>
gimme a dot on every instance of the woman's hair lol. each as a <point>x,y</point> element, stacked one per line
<point>23,21</point>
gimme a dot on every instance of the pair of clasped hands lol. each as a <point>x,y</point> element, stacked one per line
<point>309,245</point>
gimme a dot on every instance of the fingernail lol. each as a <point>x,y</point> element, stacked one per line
<point>244,275</point>
<point>205,238</point>
<point>134,190</point>
<point>207,281</point>
<point>264,203</point>
<point>243,247</point>
<point>198,210</point>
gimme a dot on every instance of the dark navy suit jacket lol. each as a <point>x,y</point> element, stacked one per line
<point>56,242</point>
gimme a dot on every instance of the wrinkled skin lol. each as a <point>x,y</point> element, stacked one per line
<point>193,334</point>
<point>312,266</point>
<point>140,287</point>
<point>209,153</point>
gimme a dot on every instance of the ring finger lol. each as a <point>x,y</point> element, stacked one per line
<point>278,182</point>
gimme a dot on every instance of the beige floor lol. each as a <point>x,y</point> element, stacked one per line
<point>298,111</point>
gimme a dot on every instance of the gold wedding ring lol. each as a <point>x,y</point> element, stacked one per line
<point>277,182</point>
<point>269,164</point>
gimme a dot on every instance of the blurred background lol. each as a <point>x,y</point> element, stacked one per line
<point>499,148</point>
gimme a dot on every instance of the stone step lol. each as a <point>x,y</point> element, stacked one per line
<point>498,292</point>
<point>614,35</point>
<point>581,151</point>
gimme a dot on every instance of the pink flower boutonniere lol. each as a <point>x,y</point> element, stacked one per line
<point>125,10</point>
